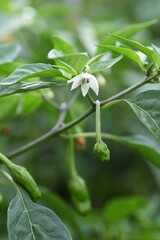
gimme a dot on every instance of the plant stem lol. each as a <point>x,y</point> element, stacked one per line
<point>128,90</point>
<point>60,128</point>
<point>71,161</point>
<point>98,121</point>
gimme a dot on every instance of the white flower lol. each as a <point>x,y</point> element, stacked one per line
<point>86,81</point>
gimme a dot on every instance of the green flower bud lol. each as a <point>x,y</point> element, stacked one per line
<point>101,150</point>
<point>23,178</point>
<point>79,194</point>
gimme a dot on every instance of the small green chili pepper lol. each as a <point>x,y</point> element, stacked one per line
<point>23,178</point>
<point>79,194</point>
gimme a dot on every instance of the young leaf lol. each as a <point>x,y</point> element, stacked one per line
<point>125,52</point>
<point>103,65</point>
<point>25,87</point>
<point>63,45</point>
<point>127,32</point>
<point>54,54</point>
<point>30,70</point>
<point>147,147</point>
<point>8,52</point>
<point>27,220</point>
<point>77,61</point>
<point>146,106</point>
<point>152,55</point>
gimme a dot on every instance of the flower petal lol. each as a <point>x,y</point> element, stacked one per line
<point>93,84</point>
<point>76,81</point>
<point>84,89</point>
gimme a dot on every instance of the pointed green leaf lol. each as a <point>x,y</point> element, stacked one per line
<point>103,65</point>
<point>77,61</point>
<point>152,55</point>
<point>146,106</point>
<point>30,70</point>
<point>27,220</point>
<point>146,146</point>
<point>8,52</point>
<point>94,58</point>
<point>25,87</point>
<point>125,52</point>
<point>63,46</point>
<point>126,32</point>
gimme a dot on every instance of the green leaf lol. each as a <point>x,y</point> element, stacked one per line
<point>77,61</point>
<point>146,106</point>
<point>63,46</point>
<point>94,58</point>
<point>118,209</point>
<point>62,208</point>
<point>27,220</point>
<point>127,32</point>
<point>54,54</point>
<point>25,87</point>
<point>146,146</point>
<point>8,52</point>
<point>103,65</point>
<point>30,70</point>
<point>126,52</point>
<point>153,56</point>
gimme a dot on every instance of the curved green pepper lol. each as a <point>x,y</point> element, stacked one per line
<point>79,194</point>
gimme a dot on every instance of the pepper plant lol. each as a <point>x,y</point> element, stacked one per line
<point>78,74</point>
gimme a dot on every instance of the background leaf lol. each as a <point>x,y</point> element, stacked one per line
<point>126,52</point>
<point>25,87</point>
<point>120,208</point>
<point>146,106</point>
<point>27,220</point>
<point>149,148</point>
<point>153,56</point>
<point>127,32</point>
<point>63,46</point>
<point>103,65</point>
<point>8,52</point>
<point>30,70</point>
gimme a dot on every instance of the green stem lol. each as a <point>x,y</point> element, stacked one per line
<point>71,160</point>
<point>59,128</point>
<point>98,122</point>
<point>5,161</point>
<point>128,90</point>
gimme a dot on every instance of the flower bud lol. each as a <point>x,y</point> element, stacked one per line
<point>79,194</point>
<point>23,178</point>
<point>101,150</point>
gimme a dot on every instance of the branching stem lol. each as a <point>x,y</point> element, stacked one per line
<point>60,128</point>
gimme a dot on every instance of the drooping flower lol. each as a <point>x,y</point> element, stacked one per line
<point>86,81</point>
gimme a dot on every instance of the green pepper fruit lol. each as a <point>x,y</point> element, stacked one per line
<point>23,178</point>
<point>79,194</point>
<point>101,150</point>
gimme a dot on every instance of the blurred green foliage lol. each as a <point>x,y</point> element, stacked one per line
<point>124,191</point>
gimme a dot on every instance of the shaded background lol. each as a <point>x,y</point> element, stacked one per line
<point>23,118</point>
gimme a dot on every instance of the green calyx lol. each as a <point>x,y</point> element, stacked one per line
<point>102,151</point>
<point>79,194</point>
